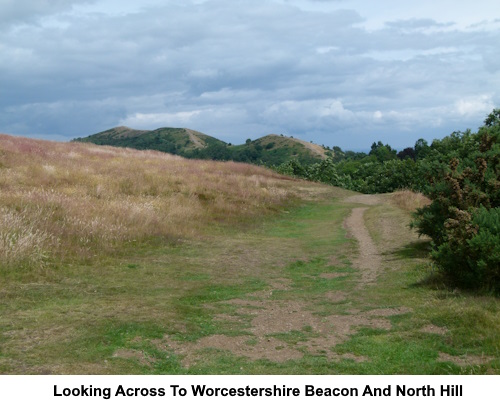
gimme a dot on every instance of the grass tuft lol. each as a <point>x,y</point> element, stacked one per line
<point>409,200</point>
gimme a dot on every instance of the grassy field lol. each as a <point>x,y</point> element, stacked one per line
<point>123,262</point>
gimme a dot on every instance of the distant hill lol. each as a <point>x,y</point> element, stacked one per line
<point>267,150</point>
<point>276,149</point>
<point>178,141</point>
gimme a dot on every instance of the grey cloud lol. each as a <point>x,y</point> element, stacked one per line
<point>68,118</point>
<point>232,70</point>
<point>417,23</point>
<point>27,11</point>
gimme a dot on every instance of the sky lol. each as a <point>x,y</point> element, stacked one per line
<point>336,72</point>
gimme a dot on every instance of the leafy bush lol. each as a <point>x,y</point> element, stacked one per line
<point>471,254</point>
<point>463,219</point>
<point>324,171</point>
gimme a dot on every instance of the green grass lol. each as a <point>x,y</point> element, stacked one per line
<point>131,314</point>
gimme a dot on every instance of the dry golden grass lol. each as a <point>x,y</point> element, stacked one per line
<point>82,200</point>
<point>409,200</point>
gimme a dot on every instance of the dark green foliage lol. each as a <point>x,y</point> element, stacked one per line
<point>470,255</point>
<point>382,152</point>
<point>421,148</point>
<point>463,219</point>
<point>367,175</point>
<point>389,176</point>
<point>493,119</point>
<point>407,153</point>
<point>292,168</point>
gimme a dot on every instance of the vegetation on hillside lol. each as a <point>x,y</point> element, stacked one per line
<point>177,141</point>
<point>267,151</point>
<point>76,200</point>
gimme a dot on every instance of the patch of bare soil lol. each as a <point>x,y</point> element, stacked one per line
<point>465,360</point>
<point>369,259</point>
<point>437,330</point>
<point>272,321</point>
<point>329,276</point>
<point>367,199</point>
<point>388,311</point>
<point>281,284</point>
<point>336,296</point>
<point>134,355</point>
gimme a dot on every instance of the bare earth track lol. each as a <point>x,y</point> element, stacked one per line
<point>369,259</point>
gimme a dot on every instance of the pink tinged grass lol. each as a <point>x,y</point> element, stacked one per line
<point>64,199</point>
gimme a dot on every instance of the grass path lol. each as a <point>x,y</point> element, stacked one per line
<point>338,285</point>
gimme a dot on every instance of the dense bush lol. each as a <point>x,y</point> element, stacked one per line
<point>324,171</point>
<point>368,175</point>
<point>470,254</point>
<point>463,219</point>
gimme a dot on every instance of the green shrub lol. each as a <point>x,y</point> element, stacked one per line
<point>471,254</point>
<point>463,219</point>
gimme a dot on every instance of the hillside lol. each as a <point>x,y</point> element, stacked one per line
<point>118,261</point>
<point>121,194</point>
<point>276,149</point>
<point>273,142</point>
<point>268,150</point>
<point>178,141</point>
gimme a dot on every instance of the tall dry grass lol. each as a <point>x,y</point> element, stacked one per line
<point>68,200</point>
<point>409,200</point>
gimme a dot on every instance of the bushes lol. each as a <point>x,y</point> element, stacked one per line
<point>470,255</point>
<point>324,171</point>
<point>463,219</point>
<point>366,176</point>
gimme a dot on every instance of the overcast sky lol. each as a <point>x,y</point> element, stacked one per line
<point>337,72</point>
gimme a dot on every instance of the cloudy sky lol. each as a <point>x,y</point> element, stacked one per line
<point>337,72</point>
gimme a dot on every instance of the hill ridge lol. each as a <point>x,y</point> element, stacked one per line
<point>271,149</point>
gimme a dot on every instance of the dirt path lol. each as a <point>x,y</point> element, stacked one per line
<point>367,199</point>
<point>369,259</point>
<point>193,138</point>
